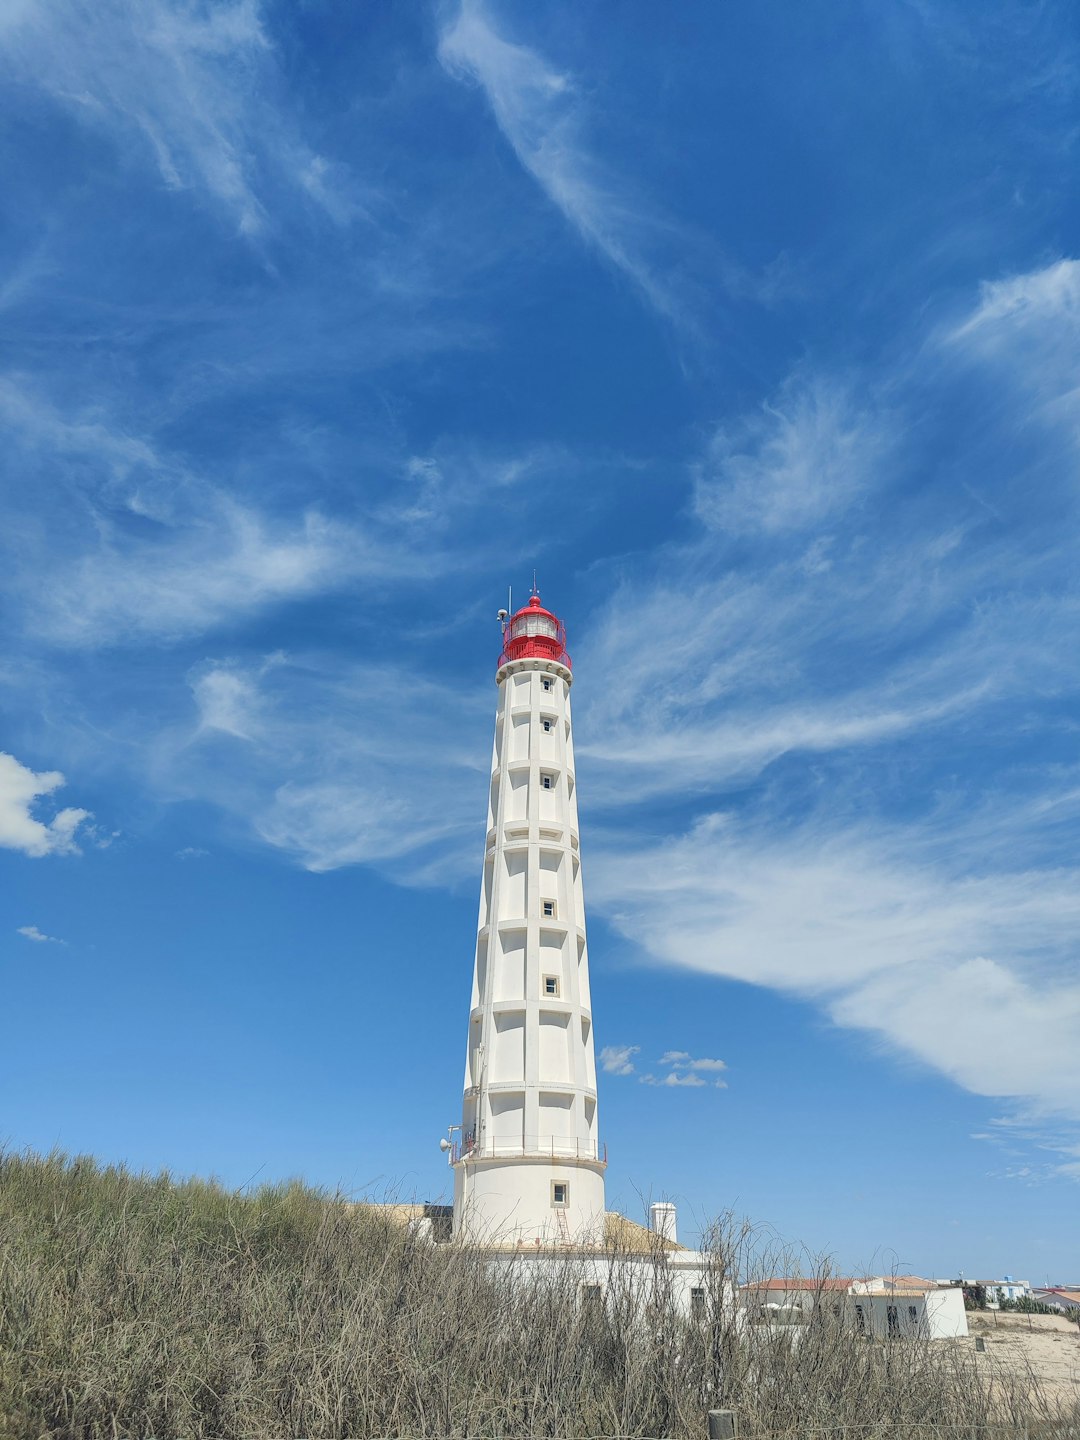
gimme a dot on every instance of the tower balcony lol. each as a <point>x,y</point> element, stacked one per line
<point>543,1148</point>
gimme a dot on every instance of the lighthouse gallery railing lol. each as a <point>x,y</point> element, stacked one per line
<point>566,1147</point>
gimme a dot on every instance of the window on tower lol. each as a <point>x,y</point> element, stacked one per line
<point>547,782</point>
<point>549,909</point>
<point>546,723</point>
<point>560,1194</point>
<point>546,684</point>
<point>551,985</point>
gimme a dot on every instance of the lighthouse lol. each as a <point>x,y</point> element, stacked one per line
<point>528,1166</point>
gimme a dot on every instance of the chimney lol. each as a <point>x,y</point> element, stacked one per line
<point>662,1221</point>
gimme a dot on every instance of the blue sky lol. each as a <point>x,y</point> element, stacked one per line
<point>755,330</point>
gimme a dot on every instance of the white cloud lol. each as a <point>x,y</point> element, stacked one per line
<point>1051,293</point>
<point>619,1059</point>
<point>1025,329</point>
<point>711,681</point>
<point>32,932</point>
<point>229,700</point>
<point>192,852</point>
<point>777,637</point>
<point>683,1068</point>
<point>321,760</point>
<point>19,829</point>
<point>183,85</point>
<point>538,110</point>
<point>225,563</point>
<point>810,668</point>
<point>151,549</point>
<point>883,928</point>
<point>674,1078</point>
<point>681,1060</point>
<point>127,469</point>
<point>810,452</point>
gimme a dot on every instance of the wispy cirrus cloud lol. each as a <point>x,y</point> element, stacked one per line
<point>219,565</point>
<point>810,452</point>
<point>146,546</point>
<point>540,111</point>
<point>144,542</point>
<point>20,790</point>
<point>1019,301</point>
<point>318,758</point>
<point>184,85</point>
<point>824,605</point>
<point>1025,330</point>
<point>790,679</point>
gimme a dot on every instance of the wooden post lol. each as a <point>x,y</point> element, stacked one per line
<point>723,1425</point>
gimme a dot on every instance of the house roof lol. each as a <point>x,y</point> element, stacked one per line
<point>625,1234</point>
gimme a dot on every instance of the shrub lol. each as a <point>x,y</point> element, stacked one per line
<point>136,1305</point>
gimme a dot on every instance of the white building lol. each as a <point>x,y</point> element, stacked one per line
<point>1004,1289</point>
<point>889,1306</point>
<point>884,1306</point>
<point>529,1166</point>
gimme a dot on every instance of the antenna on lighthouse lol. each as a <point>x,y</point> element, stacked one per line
<point>534,590</point>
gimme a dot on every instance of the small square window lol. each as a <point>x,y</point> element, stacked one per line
<point>546,684</point>
<point>549,909</point>
<point>560,1194</point>
<point>547,726</point>
<point>551,985</point>
<point>547,781</point>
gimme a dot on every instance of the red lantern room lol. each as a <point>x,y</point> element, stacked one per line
<point>533,632</point>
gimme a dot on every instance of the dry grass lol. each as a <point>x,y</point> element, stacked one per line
<point>138,1306</point>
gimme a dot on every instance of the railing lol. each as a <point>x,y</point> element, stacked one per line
<point>554,1147</point>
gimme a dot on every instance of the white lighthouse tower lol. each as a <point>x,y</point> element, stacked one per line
<point>529,1169</point>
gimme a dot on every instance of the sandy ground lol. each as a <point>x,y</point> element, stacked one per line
<point>1049,1346</point>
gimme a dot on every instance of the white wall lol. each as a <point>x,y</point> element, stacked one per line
<point>506,1201</point>
<point>679,1274</point>
<point>938,1314</point>
<point>945,1313</point>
